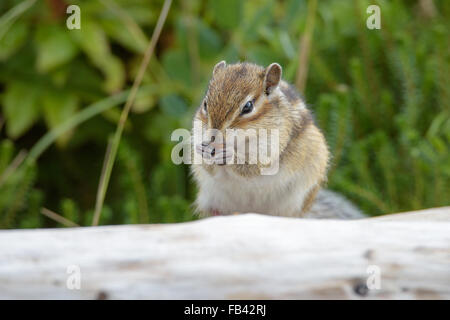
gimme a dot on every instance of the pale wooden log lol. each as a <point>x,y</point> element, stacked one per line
<point>237,257</point>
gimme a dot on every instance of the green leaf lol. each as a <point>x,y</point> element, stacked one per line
<point>92,40</point>
<point>261,15</point>
<point>263,55</point>
<point>58,107</point>
<point>143,104</point>
<point>6,154</point>
<point>21,109</point>
<point>13,40</point>
<point>286,44</point>
<point>173,105</point>
<point>94,43</point>
<point>54,47</point>
<point>209,41</point>
<point>70,210</point>
<point>176,64</point>
<point>137,41</point>
<point>114,72</point>
<point>227,13</point>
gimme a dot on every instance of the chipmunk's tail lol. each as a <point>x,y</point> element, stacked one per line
<point>331,205</point>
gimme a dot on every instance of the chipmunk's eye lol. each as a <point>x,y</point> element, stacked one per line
<point>247,108</point>
<point>204,106</point>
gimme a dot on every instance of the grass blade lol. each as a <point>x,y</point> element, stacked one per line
<point>305,47</point>
<point>111,154</point>
<point>9,17</point>
<point>58,218</point>
<point>90,111</point>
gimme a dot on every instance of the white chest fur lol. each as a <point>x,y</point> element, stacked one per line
<point>228,192</point>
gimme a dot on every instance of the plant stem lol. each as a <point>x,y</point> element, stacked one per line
<point>111,156</point>
<point>13,166</point>
<point>305,47</point>
<point>58,218</point>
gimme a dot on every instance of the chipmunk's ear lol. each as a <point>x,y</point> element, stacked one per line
<point>220,65</point>
<point>272,77</point>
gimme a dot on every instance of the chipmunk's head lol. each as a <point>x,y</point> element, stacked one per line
<point>241,96</point>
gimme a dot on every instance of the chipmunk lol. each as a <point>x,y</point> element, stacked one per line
<point>247,96</point>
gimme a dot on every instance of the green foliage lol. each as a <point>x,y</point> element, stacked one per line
<point>381,97</point>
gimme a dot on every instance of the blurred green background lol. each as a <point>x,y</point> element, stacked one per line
<point>381,96</point>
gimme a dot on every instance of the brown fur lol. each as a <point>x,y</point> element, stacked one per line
<point>302,144</point>
<point>228,87</point>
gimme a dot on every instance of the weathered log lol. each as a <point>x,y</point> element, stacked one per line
<point>248,256</point>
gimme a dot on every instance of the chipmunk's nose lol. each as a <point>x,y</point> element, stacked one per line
<point>209,148</point>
